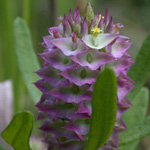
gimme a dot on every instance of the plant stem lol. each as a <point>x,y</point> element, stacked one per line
<point>27,11</point>
<point>7,51</point>
<point>53,12</point>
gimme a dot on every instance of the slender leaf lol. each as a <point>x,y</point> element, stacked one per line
<point>138,132</point>
<point>139,73</point>
<point>18,132</point>
<point>104,108</point>
<point>27,59</point>
<point>136,114</point>
<point>141,70</point>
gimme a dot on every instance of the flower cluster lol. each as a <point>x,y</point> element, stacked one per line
<point>75,53</point>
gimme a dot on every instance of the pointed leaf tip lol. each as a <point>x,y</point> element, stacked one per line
<point>88,13</point>
<point>140,71</point>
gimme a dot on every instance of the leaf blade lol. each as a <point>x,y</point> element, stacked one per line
<point>139,73</point>
<point>136,133</point>
<point>18,132</point>
<point>27,59</point>
<point>136,114</point>
<point>104,108</point>
<point>141,70</point>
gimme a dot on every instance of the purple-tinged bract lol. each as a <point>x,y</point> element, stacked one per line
<point>77,50</point>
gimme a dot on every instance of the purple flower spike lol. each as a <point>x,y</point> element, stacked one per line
<point>77,50</point>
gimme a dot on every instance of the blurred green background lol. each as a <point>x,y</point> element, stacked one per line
<point>42,14</point>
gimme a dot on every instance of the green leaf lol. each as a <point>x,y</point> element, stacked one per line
<point>27,59</point>
<point>139,73</point>
<point>141,70</point>
<point>18,132</point>
<point>2,148</point>
<point>140,131</point>
<point>104,108</point>
<point>136,114</point>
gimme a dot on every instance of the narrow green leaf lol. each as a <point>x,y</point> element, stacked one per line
<point>138,132</point>
<point>2,148</point>
<point>104,108</point>
<point>136,114</point>
<point>141,70</point>
<point>17,133</point>
<point>139,73</point>
<point>27,59</point>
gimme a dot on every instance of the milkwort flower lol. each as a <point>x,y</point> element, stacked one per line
<point>75,53</point>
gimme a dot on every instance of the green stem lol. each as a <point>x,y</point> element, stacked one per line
<point>7,52</point>
<point>8,64</point>
<point>27,11</point>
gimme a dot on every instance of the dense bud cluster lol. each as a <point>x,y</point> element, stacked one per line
<point>75,53</point>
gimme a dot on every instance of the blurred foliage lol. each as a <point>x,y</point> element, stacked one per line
<point>137,113</point>
<point>41,14</point>
<point>18,132</point>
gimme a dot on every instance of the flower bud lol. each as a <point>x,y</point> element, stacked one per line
<point>76,52</point>
<point>66,27</point>
<point>70,20</point>
<point>74,40</point>
<point>89,13</point>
